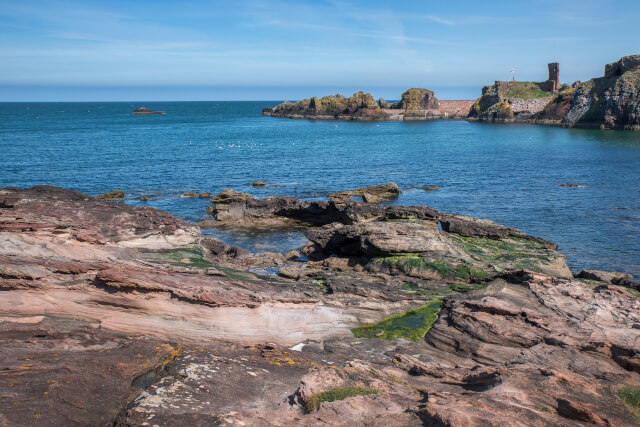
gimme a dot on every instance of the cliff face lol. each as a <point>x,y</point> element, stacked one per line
<point>607,102</point>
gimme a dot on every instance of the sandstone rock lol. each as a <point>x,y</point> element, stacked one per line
<point>380,238</point>
<point>291,272</point>
<point>204,195</point>
<point>476,227</point>
<point>431,188</point>
<point>144,199</point>
<point>111,196</point>
<point>189,194</point>
<point>259,184</point>
<point>265,259</point>
<point>218,249</point>
<point>373,194</point>
<point>292,255</point>
<point>623,65</point>
<point>421,250</point>
<point>228,196</point>
<point>85,314</point>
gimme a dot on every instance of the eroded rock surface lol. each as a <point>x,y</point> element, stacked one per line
<point>115,315</point>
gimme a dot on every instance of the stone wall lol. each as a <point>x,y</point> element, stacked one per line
<point>532,106</point>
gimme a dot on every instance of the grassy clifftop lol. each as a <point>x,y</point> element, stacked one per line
<point>520,90</point>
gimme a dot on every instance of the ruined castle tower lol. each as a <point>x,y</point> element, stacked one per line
<point>554,74</point>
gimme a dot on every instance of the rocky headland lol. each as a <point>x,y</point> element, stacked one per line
<point>119,315</point>
<point>608,102</point>
<point>415,104</point>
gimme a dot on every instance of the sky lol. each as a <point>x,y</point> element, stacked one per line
<point>68,50</point>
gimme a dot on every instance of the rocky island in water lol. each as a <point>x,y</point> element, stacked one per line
<point>609,102</point>
<point>119,315</point>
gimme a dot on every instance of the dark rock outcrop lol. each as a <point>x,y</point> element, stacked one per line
<point>111,196</point>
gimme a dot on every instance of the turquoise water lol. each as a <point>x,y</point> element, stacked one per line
<point>508,173</point>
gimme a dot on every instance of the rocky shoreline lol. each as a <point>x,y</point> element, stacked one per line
<point>609,102</point>
<point>119,315</point>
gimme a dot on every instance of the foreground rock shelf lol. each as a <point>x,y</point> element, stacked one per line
<point>117,315</point>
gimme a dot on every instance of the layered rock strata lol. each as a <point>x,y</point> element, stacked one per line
<point>117,315</point>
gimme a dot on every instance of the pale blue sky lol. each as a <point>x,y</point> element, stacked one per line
<point>214,50</point>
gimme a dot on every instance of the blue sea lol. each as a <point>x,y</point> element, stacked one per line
<point>507,173</point>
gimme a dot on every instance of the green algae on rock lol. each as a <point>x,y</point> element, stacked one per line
<point>412,325</point>
<point>338,393</point>
<point>631,398</point>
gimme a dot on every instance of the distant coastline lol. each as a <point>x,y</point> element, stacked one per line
<point>608,102</point>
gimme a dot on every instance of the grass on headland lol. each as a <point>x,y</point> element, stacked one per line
<point>338,393</point>
<point>631,398</point>
<point>412,325</point>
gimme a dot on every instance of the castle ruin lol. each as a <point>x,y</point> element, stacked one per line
<point>554,75</point>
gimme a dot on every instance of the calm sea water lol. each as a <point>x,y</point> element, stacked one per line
<point>507,173</point>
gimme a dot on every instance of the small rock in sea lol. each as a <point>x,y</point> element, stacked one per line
<point>205,195</point>
<point>273,186</point>
<point>143,110</point>
<point>431,187</point>
<point>567,184</point>
<point>144,198</point>
<point>210,209</point>
<point>228,196</point>
<point>111,196</point>
<point>189,194</point>
<point>259,184</point>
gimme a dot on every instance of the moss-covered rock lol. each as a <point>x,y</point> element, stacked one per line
<point>412,325</point>
<point>417,99</point>
<point>359,105</point>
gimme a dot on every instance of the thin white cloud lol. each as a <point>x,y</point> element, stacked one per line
<point>439,20</point>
